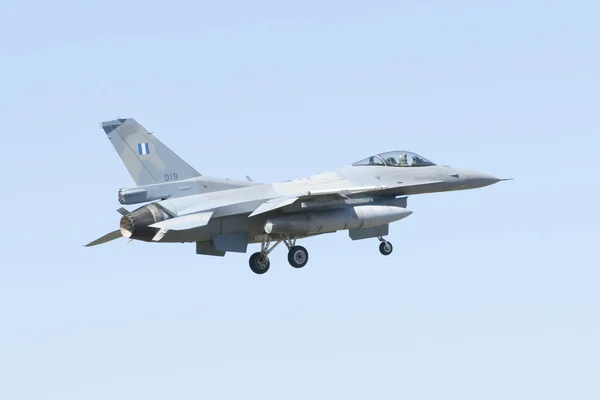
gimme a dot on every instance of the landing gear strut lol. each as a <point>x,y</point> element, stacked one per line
<point>259,262</point>
<point>385,247</point>
<point>297,255</point>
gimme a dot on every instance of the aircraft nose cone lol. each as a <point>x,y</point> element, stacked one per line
<point>478,179</point>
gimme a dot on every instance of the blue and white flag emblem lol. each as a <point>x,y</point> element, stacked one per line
<point>143,149</point>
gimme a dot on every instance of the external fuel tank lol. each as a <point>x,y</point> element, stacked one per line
<point>356,217</point>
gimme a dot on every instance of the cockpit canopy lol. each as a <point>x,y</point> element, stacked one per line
<point>395,159</point>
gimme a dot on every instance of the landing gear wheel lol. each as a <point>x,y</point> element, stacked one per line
<point>298,256</point>
<point>259,263</point>
<point>386,248</point>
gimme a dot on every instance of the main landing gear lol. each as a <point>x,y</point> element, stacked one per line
<point>297,255</point>
<point>259,263</point>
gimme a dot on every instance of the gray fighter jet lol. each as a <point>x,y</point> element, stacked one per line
<point>221,215</point>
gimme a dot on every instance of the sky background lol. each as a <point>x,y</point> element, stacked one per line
<point>491,293</point>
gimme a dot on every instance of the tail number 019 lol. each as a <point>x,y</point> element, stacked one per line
<point>171,177</point>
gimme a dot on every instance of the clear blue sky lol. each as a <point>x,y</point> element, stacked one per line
<point>490,294</point>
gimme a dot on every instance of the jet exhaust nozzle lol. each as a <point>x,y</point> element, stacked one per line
<point>136,225</point>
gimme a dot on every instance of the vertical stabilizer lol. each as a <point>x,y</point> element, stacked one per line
<point>147,159</point>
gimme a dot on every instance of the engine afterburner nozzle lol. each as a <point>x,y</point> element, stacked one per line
<point>136,225</point>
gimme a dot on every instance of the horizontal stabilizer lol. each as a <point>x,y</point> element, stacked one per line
<point>106,238</point>
<point>184,223</point>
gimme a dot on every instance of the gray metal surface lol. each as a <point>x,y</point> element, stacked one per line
<point>222,215</point>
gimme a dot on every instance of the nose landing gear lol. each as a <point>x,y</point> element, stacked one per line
<point>385,247</point>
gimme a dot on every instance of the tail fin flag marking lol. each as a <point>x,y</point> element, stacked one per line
<point>143,149</point>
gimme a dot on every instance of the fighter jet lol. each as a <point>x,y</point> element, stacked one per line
<point>222,215</point>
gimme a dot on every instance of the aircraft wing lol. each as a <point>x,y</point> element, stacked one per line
<point>274,204</point>
<point>280,202</point>
<point>341,193</point>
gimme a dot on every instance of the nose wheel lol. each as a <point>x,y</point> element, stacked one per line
<point>385,247</point>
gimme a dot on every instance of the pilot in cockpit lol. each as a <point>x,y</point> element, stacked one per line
<point>403,160</point>
<point>395,159</point>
